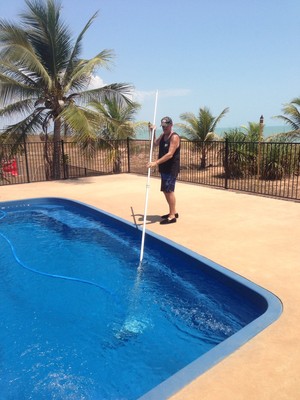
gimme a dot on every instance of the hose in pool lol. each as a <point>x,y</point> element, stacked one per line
<point>68,278</point>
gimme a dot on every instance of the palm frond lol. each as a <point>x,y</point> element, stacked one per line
<point>29,125</point>
<point>116,120</point>
<point>79,77</point>
<point>76,51</point>
<point>11,35</point>
<point>119,91</point>
<point>17,51</point>
<point>46,30</point>
<point>201,127</point>
<point>291,136</point>
<point>81,121</point>
<point>291,114</point>
<point>211,136</point>
<point>235,135</point>
<point>218,119</point>
<point>19,107</point>
<point>18,75</point>
<point>11,90</point>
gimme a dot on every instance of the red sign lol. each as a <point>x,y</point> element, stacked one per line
<point>10,167</point>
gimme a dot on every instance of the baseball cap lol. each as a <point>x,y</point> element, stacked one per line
<point>166,120</point>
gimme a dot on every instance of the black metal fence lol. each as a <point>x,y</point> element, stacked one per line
<point>33,163</point>
<point>265,168</point>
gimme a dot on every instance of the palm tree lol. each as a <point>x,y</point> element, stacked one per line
<point>201,128</point>
<point>43,80</point>
<point>291,117</point>
<point>116,122</point>
<point>243,157</point>
<point>252,131</point>
<point>240,156</point>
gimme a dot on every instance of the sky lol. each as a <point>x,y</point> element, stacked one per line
<point>241,54</point>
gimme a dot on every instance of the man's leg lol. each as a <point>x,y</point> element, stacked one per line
<point>168,188</point>
<point>171,200</point>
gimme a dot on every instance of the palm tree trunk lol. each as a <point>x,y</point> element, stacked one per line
<point>203,157</point>
<point>56,149</point>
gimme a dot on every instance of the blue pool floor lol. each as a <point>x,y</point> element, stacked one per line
<point>176,381</point>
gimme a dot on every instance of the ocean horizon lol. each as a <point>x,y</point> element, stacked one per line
<point>267,131</point>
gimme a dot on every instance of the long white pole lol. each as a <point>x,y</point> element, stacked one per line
<point>148,184</point>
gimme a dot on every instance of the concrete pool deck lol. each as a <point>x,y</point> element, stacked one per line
<point>256,237</point>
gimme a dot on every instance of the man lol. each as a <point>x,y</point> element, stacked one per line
<point>169,164</point>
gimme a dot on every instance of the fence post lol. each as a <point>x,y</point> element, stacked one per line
<point>128,154</point>
<point>226,163</point>
<point>64,160</point>
<point>261,127</point>
<point>26,159</point>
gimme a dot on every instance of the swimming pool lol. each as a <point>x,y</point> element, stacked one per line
<point>94,325</point>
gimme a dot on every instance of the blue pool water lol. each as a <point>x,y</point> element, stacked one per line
<point>80,319</point>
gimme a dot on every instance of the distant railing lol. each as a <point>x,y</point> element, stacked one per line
<point>265,168</point>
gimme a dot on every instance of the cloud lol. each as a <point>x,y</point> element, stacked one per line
<point>141,96</point>
<point>95,82</point>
